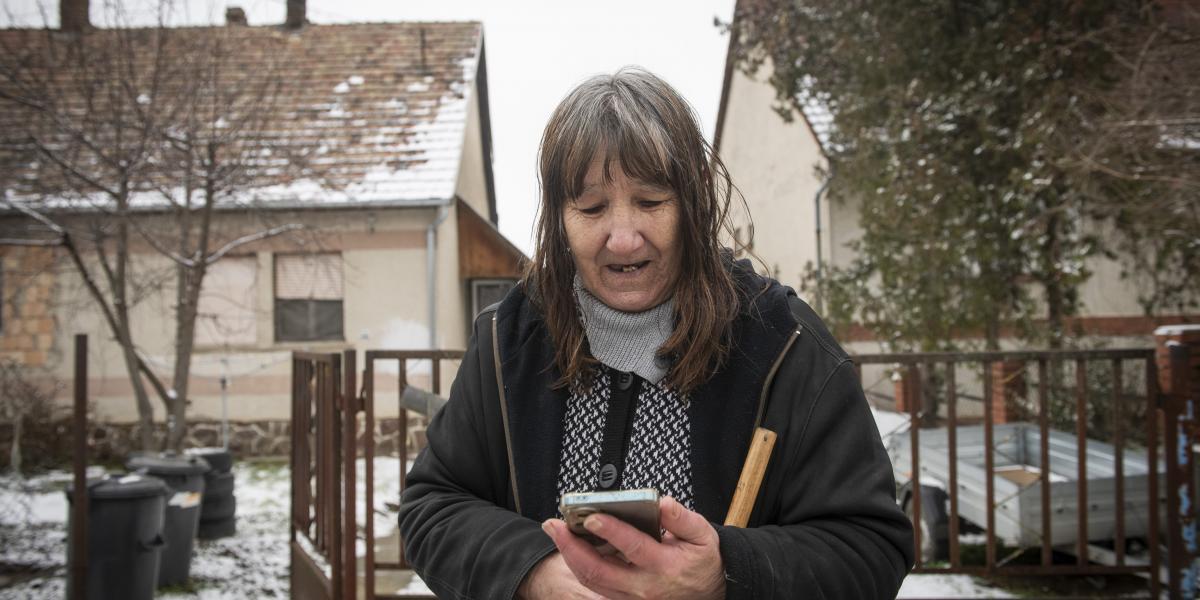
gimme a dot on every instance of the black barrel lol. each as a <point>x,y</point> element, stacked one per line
<point>217,514</point>
<point>124,537</point>
<point>185,476</point>
<point>218,458</point>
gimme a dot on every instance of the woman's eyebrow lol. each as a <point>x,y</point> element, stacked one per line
<point>639,186</point>
<point>653,188</point>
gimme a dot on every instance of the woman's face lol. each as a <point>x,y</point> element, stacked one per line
<point>624,238</point>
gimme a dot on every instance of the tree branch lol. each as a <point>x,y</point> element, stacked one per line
<point>17,242</point>
<point>35,215</point>
<point>242,241</point>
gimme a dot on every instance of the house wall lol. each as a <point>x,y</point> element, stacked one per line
<point>384,306</point>
<point>26,323</point>
<point>772,163</point>
<point>472,182</point>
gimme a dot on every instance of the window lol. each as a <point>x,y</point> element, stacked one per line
<point>308,297</point>
<point>226,314</point>
<point>486,292</point>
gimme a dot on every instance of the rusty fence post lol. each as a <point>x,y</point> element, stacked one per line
<point>79,508</point>
<point>907,380</point>
<point>1178,357</point>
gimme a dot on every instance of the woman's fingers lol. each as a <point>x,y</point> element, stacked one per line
<point>684,524</point>
<point>591,569</point>
<point>637,547</point>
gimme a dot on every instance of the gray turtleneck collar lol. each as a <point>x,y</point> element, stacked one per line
<point>626,341</point>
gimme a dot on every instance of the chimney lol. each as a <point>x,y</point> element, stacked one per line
<point>73,15</point>
<point>234,15</point>
<point>295,14</point>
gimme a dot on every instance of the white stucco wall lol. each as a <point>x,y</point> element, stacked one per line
<point>773,163</point>
<point>472,182</point>
<point>384,306</point>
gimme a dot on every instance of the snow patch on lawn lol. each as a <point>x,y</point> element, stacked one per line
<point>948,586</point>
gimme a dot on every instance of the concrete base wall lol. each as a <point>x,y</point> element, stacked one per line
<point>112,442</point>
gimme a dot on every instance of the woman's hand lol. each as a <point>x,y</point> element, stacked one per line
<point>687,564</point>
<point>550,579</point>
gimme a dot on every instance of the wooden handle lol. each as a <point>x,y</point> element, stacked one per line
<point>751,478</point>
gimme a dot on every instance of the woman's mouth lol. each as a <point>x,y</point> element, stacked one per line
<point>629,268</point>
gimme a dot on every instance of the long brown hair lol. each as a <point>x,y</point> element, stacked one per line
<point>645,126</point>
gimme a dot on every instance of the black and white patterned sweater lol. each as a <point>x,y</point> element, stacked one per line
<point>658,447</point>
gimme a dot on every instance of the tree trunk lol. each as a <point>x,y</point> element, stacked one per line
<point>1053,284</point>
<point>120,285</point>
<point>185,335</point>
<point>992,333</point>
<point>14,454</point>
<point>144,408</point>
<point>190,280</point>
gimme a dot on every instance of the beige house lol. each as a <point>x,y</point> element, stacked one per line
<point>778,166</point>
<point>393,242</point>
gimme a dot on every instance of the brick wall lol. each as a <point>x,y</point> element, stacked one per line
<point>27,330</point>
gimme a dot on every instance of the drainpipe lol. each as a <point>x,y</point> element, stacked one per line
<point>431,270</point>
<point>820,259</point>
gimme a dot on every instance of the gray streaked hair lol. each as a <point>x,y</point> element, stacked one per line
<point>641,124</point>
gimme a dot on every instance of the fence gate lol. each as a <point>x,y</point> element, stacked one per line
<point>409,397</point>
<point>322,527</point>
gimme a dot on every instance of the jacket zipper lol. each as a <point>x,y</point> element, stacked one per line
<point>512,467</point>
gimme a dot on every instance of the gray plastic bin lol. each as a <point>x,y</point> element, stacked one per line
<point>185,476</point>
<point>124,537</point>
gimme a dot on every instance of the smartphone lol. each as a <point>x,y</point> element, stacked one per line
<point>636,507</point>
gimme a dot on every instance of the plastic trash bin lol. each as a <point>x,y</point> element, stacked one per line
<point>124,537</point>
<point>185,476</point>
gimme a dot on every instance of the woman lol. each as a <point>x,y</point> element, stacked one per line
<point>636,353</point>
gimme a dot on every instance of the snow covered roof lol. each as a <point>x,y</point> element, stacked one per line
<point>375,112</point>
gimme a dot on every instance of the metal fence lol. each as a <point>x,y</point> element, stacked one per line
<point>323,526</point>
<point>1062,382</point>
<point>402,358</point>
<point>1130,416</point>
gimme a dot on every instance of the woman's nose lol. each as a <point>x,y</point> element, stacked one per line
<point>625,235</point>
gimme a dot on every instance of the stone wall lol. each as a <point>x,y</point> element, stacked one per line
<point>26,322</point>
<point>49,444</point>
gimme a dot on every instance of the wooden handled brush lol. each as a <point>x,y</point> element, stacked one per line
<point>751,478</point>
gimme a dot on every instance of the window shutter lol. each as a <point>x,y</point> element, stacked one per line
<point>226,312</point>
<point>308,276</point>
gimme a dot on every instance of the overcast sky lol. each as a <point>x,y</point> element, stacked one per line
<point>536,51</point>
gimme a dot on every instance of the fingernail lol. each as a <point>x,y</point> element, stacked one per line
<point>547,528</point>
<point>592,524</point>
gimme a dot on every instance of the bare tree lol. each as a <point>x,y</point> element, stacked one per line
<point>1137,155</point>
<point>135,140</point>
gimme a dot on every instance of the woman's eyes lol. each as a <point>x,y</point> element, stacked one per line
<point>598,208</point>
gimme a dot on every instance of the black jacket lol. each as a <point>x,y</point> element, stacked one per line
<point>825,525</point>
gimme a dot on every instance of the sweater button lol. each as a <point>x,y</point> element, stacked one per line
<point>624,380</point>
<point>608,475</point>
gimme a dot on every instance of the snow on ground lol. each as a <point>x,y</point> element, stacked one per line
<point>254,563</point>
<point>251,564</point>
<point>948,586</point>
